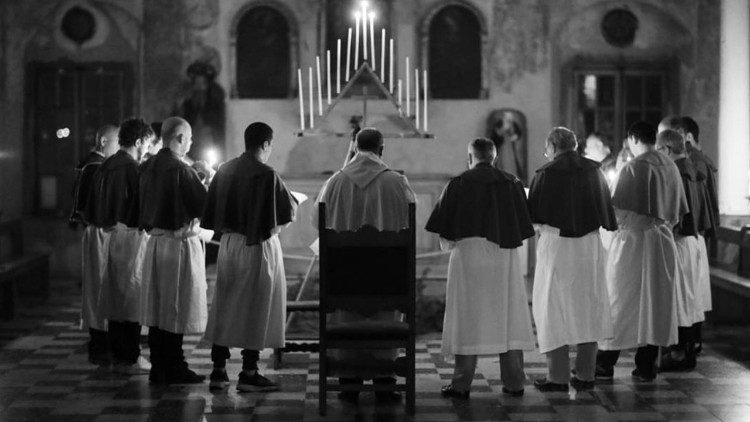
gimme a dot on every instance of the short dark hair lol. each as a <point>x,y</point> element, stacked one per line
<point>256,134</point>
<point>690,126</point>
<point>483,149</point>
<point>643,132</point>
<point>671,139</point>
<point>562,138</point>
<point>132,130</point>
<point>156,127</point>
<point>369,139</point>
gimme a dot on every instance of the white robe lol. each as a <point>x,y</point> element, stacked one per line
<point>703,293</point>
<point>122,284</point>
<point>95,244</point>
<point>486,306</point>
<point>570,300</point>
<point>173,290</point>
<point>642,272</point>
<point>688,305</point>
<point>249,306</point>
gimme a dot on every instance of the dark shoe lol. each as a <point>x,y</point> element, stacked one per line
<point>385,397</point>
<point>544,386</point>
<point>670,364</point>
<point>642,376</point>
<point>351,397</point>
<point>450,392</point>
<point>580,384</point>
<point>604,373</point>
<point>218,380</point>
<point>255,383</point>
<point>517,393</point>
<point>183,375</point>
<point>157,376</point>
<point>100,359</point>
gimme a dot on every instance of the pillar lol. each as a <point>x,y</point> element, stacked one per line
<point>734,108</point>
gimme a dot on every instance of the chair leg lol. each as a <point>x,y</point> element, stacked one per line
<point>411,381</point>
<point>322,382</point>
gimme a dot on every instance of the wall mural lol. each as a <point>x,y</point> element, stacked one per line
<point>506,127</point>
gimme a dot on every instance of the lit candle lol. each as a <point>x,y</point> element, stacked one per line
<point>382,55</point>
<point>416,97</point>
<point>364,30</point>
<point>301,101</point>
<point>400,110</point>
<point>372,40</point>
<point>320,87</point>
<point>408,107</point>
<point>328,74</point>
<point>312,105</point>
<point>348,53</point>
<point>356,41</point>
<point>390,69</point>
<point>424,104</point>
<point>338,65</point>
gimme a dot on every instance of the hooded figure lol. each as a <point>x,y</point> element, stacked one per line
<point>481,217</point>
<point>569,201</point>
<point>366,192</point>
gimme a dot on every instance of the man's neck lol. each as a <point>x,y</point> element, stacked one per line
<point>131,151</point>
<point>642,148</point>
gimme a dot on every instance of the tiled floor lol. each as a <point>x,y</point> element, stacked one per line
<point>44,376</point>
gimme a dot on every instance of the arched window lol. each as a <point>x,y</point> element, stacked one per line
<point>263,54</point>
<point>455,53</point>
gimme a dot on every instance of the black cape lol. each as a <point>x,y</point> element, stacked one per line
<point>697,220</point>
<point>170,193</point>
<point>84,178</point>
<point>114,198</point>
<point>706,168</point>
<point>571,194</point>
<point>483,202</point>
<point>249,198</point>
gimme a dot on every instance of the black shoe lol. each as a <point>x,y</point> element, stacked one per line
<point>255,383</point>
<point>218,380</point>
<point>580,384</point>
<point>517,393</point>
<point>386,397</point>
<point>642,376</point>
<point>544,386</point>
<point>183,375</point>
<point>604,373</point>
<point>670,364</point>
<point>351,397</point>
<point>157,375</point>
<point>451,392</point>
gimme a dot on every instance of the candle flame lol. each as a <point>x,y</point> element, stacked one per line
<point>371,15</point>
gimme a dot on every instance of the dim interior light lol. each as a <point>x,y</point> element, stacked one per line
<point>62,133</point>
<point>212,157</point>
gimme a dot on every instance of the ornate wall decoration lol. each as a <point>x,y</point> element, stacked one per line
<point>619,27</point>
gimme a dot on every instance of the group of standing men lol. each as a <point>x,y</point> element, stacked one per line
<point>146,220</point>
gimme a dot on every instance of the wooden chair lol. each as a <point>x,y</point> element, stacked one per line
<point>367,271</point>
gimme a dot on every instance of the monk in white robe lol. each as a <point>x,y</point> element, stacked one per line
<point>366,192</point>
<point>481,217</point>
<point>173,289</point>
<point>643,266</point>
<point>94,245</point>
<point>115,198</point>
<point>569,201</point>
<point>249,204</point>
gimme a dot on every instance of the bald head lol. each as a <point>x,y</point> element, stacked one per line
<point>481,150</point>
<point>107,141</point>
<point>371,140</point>
<point>177,135</point>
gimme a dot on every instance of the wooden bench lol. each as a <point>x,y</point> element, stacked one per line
<point>730,275</point>
<point>20,272</point>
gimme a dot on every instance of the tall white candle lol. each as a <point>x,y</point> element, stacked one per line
<point>373,58</point>
<point>301,101</point>
<point>364,30</point>
<point>320,87</point>
<point>424,104</point>
<point>408,92</point>
<point>390,68</point>
<point>328,74</point>
<point>416,97</point>
<point>356,41</point>
<point>348,53</point>
<point>400,109</point>
<point>338,65</point>
<point>382,55</point>
<point>312,104</point>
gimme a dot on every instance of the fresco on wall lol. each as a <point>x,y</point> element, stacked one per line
<point>506,127</point>
<point>202,105</point>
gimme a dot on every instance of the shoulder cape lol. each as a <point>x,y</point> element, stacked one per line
<point>84,176</point>
<point>571,194</point>
<point>249,198</point>
<point>170,193</point>
<point>705,168</point>
<point>483,202</point>
<point>697,220</point>
<point>650,184</point>
<point>114,197</point>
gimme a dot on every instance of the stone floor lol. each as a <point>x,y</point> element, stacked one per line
<point>44,376</point>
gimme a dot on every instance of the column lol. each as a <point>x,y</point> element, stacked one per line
<point>734,108</point>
